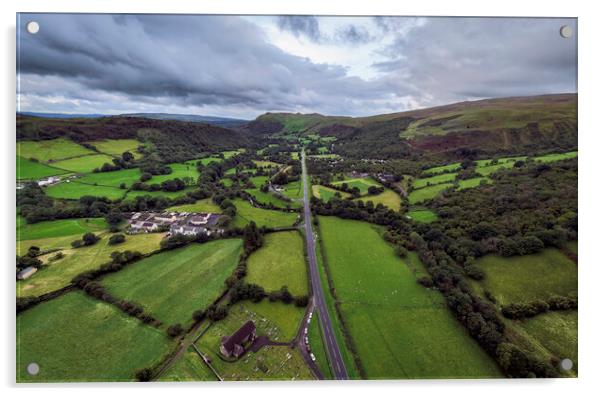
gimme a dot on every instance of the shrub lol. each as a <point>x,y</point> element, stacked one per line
<point>216,313</point>
<point>474,272</point>
<point>90,238</point>
<point>301,301</point>
<point>144,375</point>
<point>116,239</point>
<point>175,330</point>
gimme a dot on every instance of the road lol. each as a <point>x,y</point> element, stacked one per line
<point>330,342</point>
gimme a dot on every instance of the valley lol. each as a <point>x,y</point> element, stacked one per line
<point>435,243</point>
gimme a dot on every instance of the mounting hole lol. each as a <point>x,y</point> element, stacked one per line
<point>33,27</point>
<point>33,368</point>
<point>566,364</point>
<point>566,31</point>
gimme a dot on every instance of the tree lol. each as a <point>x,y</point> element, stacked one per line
<point>127,156</point>
<point>144,375</point>
<point>90,238</point>
<point>175,330</point>
<point>116,239</point>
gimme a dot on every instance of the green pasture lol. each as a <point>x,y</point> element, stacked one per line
<point>388,198</point>
<point>326,193</point>
<point>362,183</point>
<point>201,206</point>
<point>526,278</point>
<point>57,228</point>
<point>73,189</point>
<point>472,183</point>
<point>280,262</point>
<point>422,215</point>
<point>57,274</point>
<point>31,170</point>
<point>172,285</point>
<point>50,150</point>
<point>84,164</point>
<point>427,193</point>
<point>112,179</point>
<point>556,157</point>
<point>245,213</point>
<point>400,329</point>
<point>116,147</point>
<point>438,179</point>
<point>75,338</point>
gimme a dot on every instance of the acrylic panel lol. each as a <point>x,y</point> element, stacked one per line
<point>242,198</point>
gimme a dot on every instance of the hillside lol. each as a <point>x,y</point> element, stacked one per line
<point>507,124</point>
<point>219,121</point>
<point>169,137</point>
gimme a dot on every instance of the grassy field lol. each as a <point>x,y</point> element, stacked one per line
<point>84,164</point>
<point>202,206</point>
<point>316,345</point>
<point>427,193</point>
<point>208,160</point>
<point>51,150</point>
<point>422,215</point>
<point>293,190</point>
<point>271,362</point>
<point>400,329</point>
<point>173,284</point>
<point>57,228</point>
<point>556,157</point>
<point>280,262</point>
<point>75,338</point>
<point>76,190</point>
<point>489,169</point>
<point>326,193</point>
<point>266,198</point>
<point>245,213</point>
<point>525,278</point>
<point>31,170</point>
<point>259,181</point>
<point>556,331</point>
<point>178,171</point>
<point>112,179</point>
<point>362,183</point>
<point>116,147</point>
<point>324,156</point>
<point>348,359</point>
<point>440,169</point>
<point>59,273</point>
<point>190,367</point>
<point>438,179</point>
<point>388,198</point>
<point>266,164</point>
<point>509,160</point>
<point>166,194</point>
<point>472,183</point>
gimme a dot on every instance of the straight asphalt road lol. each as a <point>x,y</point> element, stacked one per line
<point>332,348</point>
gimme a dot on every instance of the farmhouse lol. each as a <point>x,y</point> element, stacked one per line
<point>26,273</point>
<point>234,346</point>
<point>177,222</point>
<point>48,181</point>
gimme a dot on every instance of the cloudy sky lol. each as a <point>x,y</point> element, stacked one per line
<point>243,66</point>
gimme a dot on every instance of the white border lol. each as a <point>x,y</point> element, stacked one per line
<point>590,123</point>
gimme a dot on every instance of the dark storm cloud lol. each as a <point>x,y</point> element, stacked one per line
<point>211,60</point>
<point>300,25</point>
<point>131,62</point>
<point>450,59</point>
